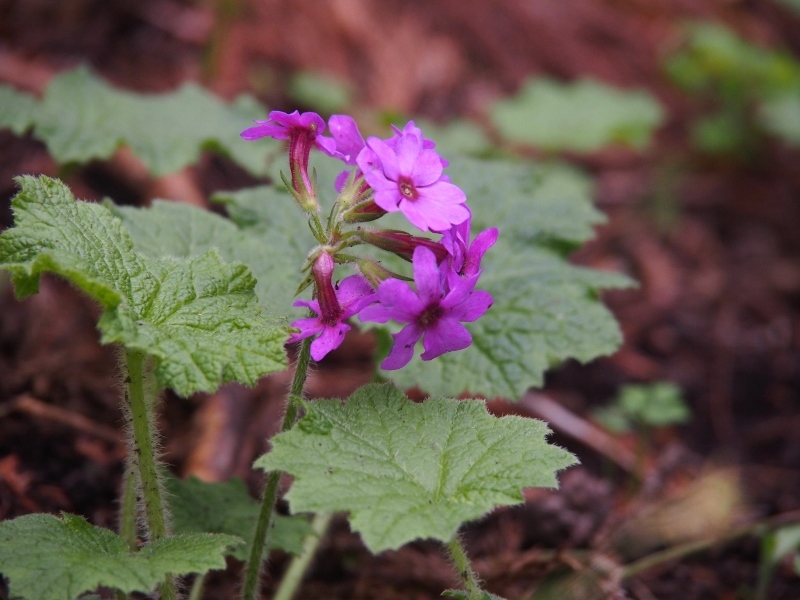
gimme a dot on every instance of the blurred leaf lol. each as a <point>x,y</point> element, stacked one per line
<point>457,138</point>
<point>723,133</point>
<point>81,118</point>
<point>715,58</point>
<point>322,93</point>
<point>780,116</point>
<point>406,470</point>
<point>584,116</point>
<point>656,405</point>
<point>200,507</point>
<point>16,110</point>
<point>775,546</point>
<point>612,418</point>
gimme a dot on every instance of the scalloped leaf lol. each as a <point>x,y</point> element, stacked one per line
<point>47,558</point>
<point>200,507</point>
<point>197,317</point>
<point>583,116</point>
<point>406,470</point>
<point>81,118</point>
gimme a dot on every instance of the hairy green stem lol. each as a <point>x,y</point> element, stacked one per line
<point>141,403</point>
<point>127,518</point>
<point>253,566</point>
<point>464,568</point>
<point>299,565</point>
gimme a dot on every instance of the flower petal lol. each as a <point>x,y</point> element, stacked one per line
<point>426,276</point>
<point>447,335</point>
<point>473,307</point>
<point>387,157</point>
<point>330,339</point>
<point>403,348</point>
<point>349,141</point>
<point>427,169</point>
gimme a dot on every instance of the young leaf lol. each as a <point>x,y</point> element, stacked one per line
<point>199,507</point>
<point>406,471</point>
<point>584,116</point>
<point>81,118</point>
<point>46,558</point>
<point>197,317</point>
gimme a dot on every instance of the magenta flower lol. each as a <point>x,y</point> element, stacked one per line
<point>349,141</point>
<point>465,255</point>
<point>434,312</point>
<point>407,176</point>
<point>333,307</point>
<point>303,131</point>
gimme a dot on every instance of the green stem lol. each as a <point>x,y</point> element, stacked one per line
<point>197,587</point>
<point>299,565</point>
<point>253,566</point>
<point>127,519</point>
<point>142,424</point>
<point>464,569</point>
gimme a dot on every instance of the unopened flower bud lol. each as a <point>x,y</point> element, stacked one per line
<point>322,269</point>
<point>363,212</point>
<point>374,272</point>
<point>401,243</point>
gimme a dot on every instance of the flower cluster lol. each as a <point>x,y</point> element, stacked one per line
<point>403,173</point>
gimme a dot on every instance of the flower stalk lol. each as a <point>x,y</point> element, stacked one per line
<point>253,567</point>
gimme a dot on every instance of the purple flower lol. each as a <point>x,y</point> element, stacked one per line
<point>303,131</point>
<point>287,126</point>
<point>433,312</point>
<point>333,307</point>
<point>349,141</point>
<point>465,256</point>
<point>407,176</point>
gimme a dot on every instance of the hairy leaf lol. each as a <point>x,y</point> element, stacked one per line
<point>200,507</point>
<point>47,558</point>
<point>197,317</point>
<point>582,116</point>
<point>405,470</point>
<point>81,118</point>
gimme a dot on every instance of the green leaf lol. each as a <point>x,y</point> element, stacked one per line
<point>200,507</point>
<point>656,405</point>
<point>197,317</point>
<point>775,546</point>
<point>584,116</point>
<point>46,558</point>
<point>271,238</point>
<point>780,116</point>
<point>320,92</point>
<point>406,471</point>
<point>16,109</point>
<point>82,118</point>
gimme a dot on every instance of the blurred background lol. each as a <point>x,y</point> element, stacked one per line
<point>685,117</point>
